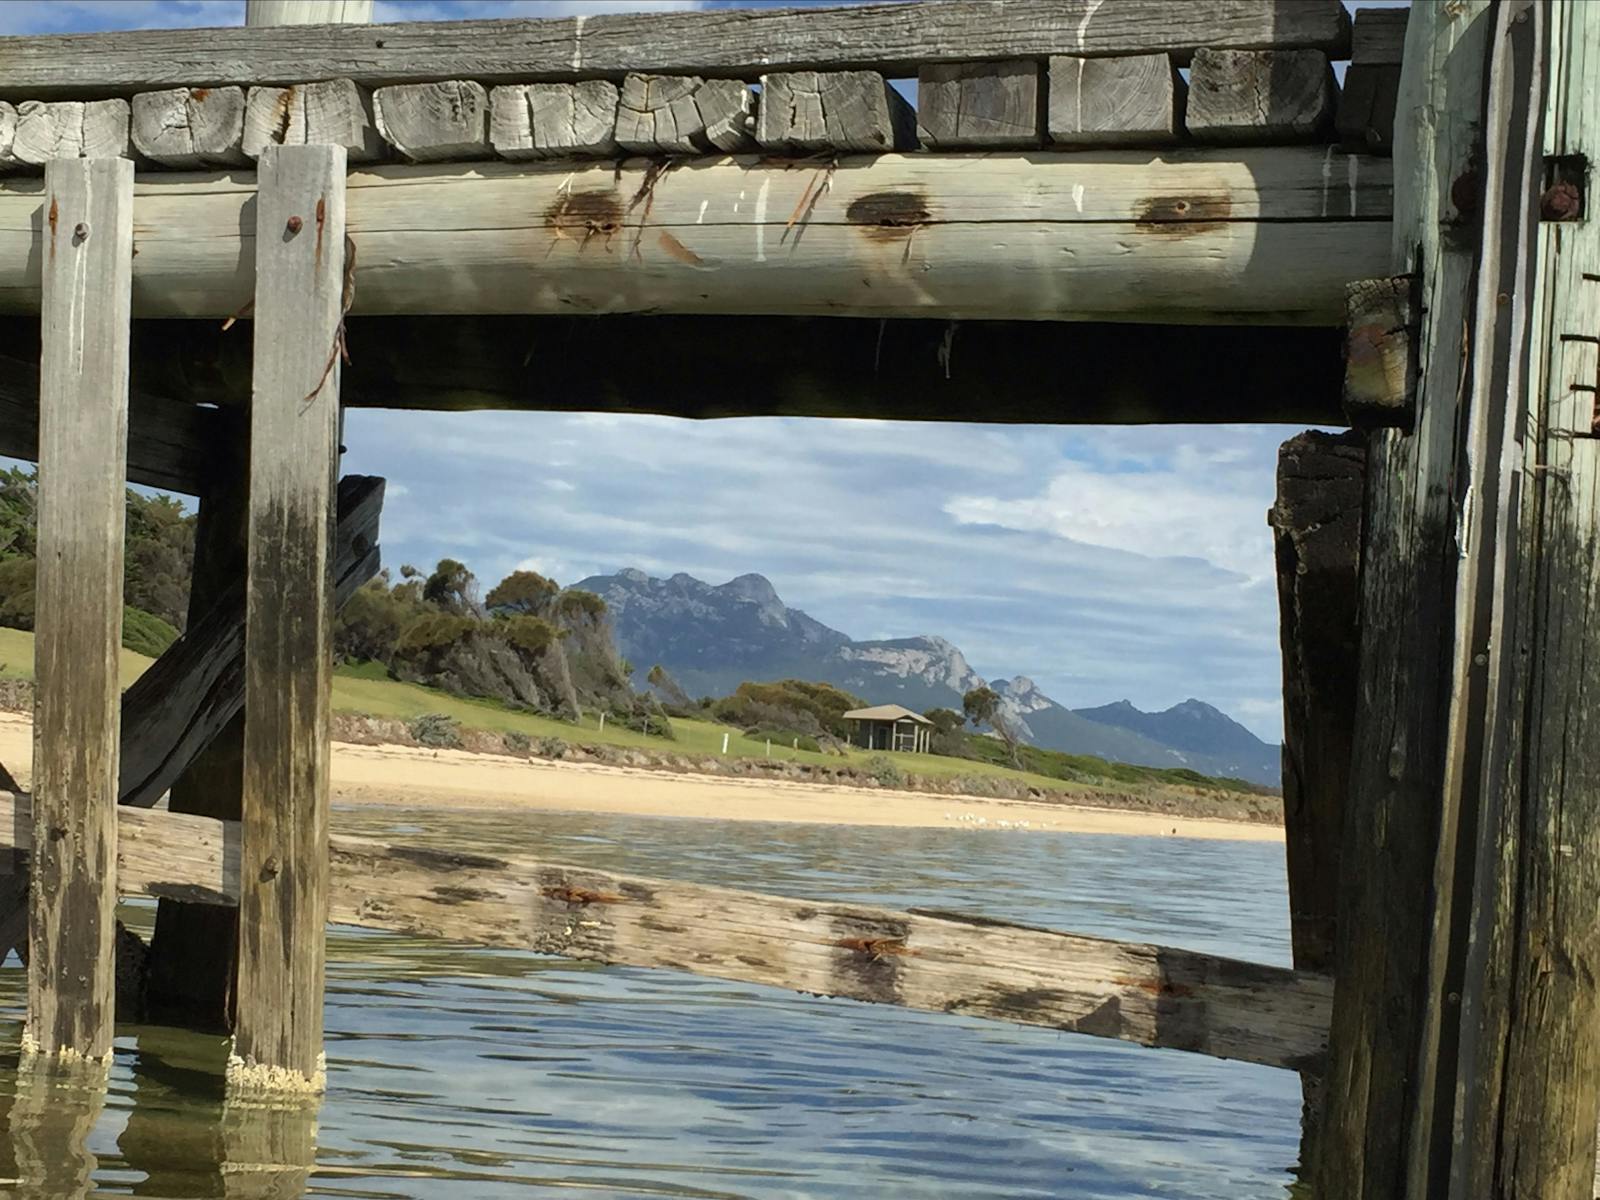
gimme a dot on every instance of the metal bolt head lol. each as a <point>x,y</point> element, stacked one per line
<point>294,224</point>
<point>80,232</point>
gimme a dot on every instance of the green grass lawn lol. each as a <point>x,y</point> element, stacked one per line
<point>367,690</point>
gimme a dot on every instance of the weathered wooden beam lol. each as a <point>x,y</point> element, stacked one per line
<point>807,112</point>
<point>196,688</point>
<point>987,104</point>
<point>925,959</point>
<point>334,112</point>
<point>554,120</point>
<point>1132,101</point>
<point>190,128</point>
<point>684,114</point>
<point>1269,235</point>
<point>294,442</point>
<point>171,445</point>
<point>908,370</point>
<point>1380,378</point>
<point>435,122</point>
<point>893,38</point>
<point>1365,119</point>
<point>1378,36</point>
<point>83,443</point>
<point>1239,97</point>
<point>70,129</point>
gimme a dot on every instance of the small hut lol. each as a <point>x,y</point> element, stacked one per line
<point>890,727</point>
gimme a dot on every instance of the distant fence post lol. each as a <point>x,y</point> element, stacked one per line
<point>294,423</point>
<point>83,451</point>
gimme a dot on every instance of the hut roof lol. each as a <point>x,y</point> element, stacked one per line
<point>886,712</point>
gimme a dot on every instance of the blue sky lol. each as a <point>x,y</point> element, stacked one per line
<point>1106,563</point>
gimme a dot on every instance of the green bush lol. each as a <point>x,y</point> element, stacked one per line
<point>433,631</point>
<point>531,635</point>
<point>552,747</point>
<point>144,633</point>
<point>436,729</point>
<point>886,771</point>
<point>516,741</point>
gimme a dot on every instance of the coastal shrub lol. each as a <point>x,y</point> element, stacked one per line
<point>552,747</point>
<point>574,602</point>
<point>522,593</point>
<point>433,631</point>
<point>886,771</point>
<point>531,635</point>
<point>436,729</point>
<point>516,741</point>
<point>145,633</point>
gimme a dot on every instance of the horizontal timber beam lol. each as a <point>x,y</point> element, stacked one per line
<point>1030,372</point>
<point>939,962</point>
<point>894,38</point>
<point>1266,235</point>
<point>171,445</point>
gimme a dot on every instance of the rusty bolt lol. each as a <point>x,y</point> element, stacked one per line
<point>80,231</point>
<point>294,224</point>
<point>1561,201</point>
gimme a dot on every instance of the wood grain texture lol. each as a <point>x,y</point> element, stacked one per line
<point>1239,97</point>
<point>1236,235</point>
<point>294,431</point>
<point>1380,375</point>
<point>1397,825</point>
<point>937,961</point>
<point>1527,1087</point>
<point>894,38</point>
<point>978,104</point>
<point>554,120</point>
<point>1133,100</point>
<point>905,370</point>
<point>70,129</point>
<point>1378,36</point>
<point>684,114</point>
<point>809,111</point>
<point>83,438</point>
<point>1365,117</point>
<point>171,445</point>
<point>333,112</point>
<point>435,122</point>
<point>190,128</point>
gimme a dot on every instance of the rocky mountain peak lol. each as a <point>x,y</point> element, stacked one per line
<point>756,588</point>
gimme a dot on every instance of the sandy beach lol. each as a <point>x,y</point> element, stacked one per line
<point>407,775</point>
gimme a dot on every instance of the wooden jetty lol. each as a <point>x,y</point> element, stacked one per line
<point>212,240</point>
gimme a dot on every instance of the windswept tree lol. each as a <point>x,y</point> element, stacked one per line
<point>452,588</point>
<point>525,593</point>
<point>982,707</point>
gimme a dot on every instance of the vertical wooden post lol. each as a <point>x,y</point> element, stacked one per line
<point>83,449</point>
<point>300,268</point>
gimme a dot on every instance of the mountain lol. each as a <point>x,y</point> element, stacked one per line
<point>711,638</point>
<point>1197,729</point>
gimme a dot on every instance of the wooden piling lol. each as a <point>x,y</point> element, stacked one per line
<point>300,299</point>
<point>83,441</point>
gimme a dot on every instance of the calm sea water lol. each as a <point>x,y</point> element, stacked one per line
<point>469,1073</point>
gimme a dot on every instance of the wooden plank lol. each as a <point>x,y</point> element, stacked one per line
<point>1172,238</point>
<point>1365,119</point>
<point>1380,377</point>
<point>978,104</point>
<point>190,128</point>
<point>809,111</point>
<point>435,122</point>
<point>83,437</point>
<point>1131,101</point>
<point>1378,36</point>
<point>1239,97</point>
<point>171,445</point>
<point>70,129</point>
<point>684,114</point>
<point>195,689</point>
<point>554,120</point>
<point>906,370</point>
<point>925,959</point>
<point>1316,524</point>
<point>294,440</point>
<point>893,38</point>
<point>1527,1076</point>
<point>1398,824</point>
<point>328,112</point>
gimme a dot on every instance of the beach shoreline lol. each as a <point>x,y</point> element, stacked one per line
<point>418,777</point>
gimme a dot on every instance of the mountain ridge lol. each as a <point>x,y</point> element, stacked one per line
<point>712,637</point>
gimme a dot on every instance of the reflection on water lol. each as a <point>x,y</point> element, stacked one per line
<point>463,1072</point>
